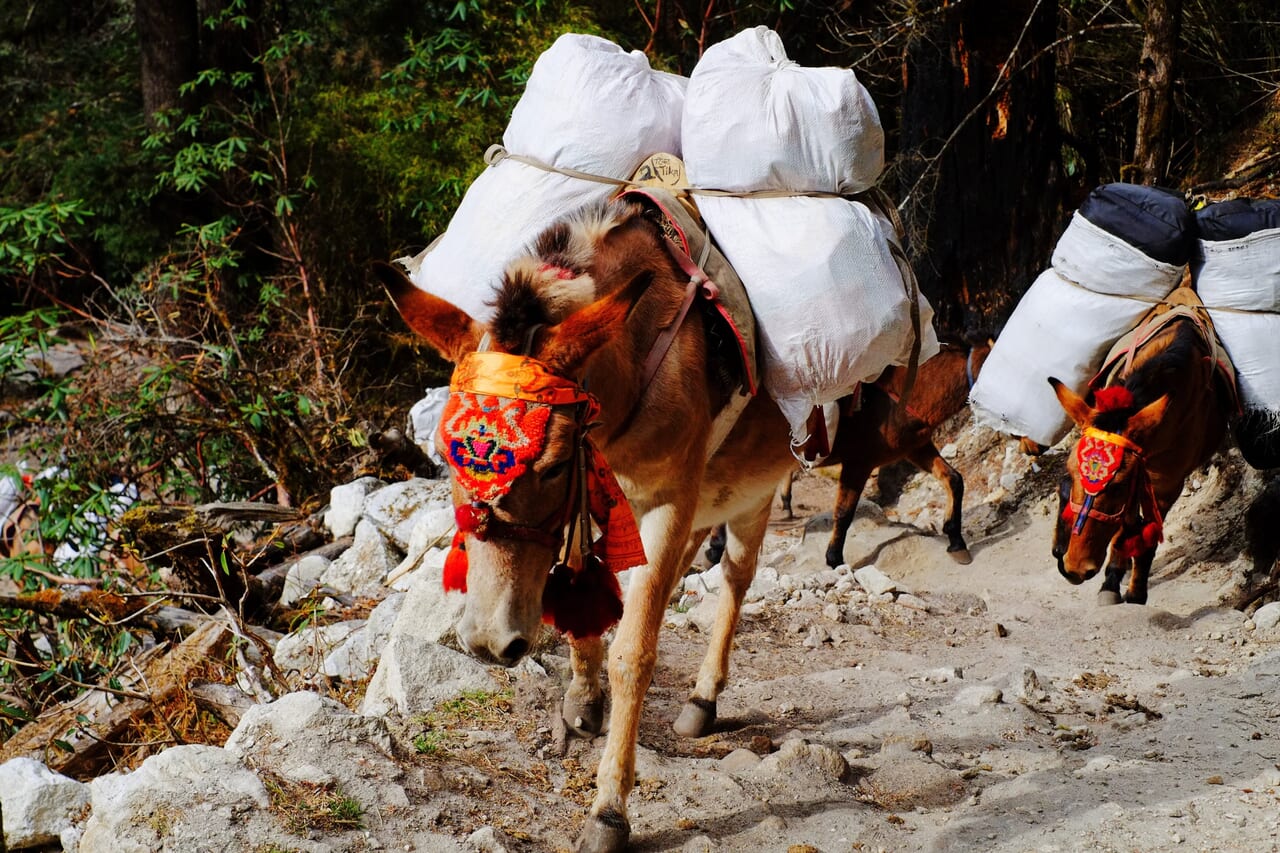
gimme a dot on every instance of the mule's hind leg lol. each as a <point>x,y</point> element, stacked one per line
<point>853,479</point>
<point>1112,574</point>
<point>928,459</point>
<point>583,707</point>
<point>742,550</point>
<point>1137,591</point>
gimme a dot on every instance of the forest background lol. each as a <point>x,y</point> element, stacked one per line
<point>192,191</point>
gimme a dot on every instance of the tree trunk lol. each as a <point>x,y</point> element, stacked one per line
<point>168,35</point>
<point>979,157</point>
<point>1155,91</point>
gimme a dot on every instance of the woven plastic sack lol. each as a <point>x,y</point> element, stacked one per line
<point>753,119</point>
<point>1239,281</point>
<point>1058,329</point>
<point>830,303</point>
<point>1098,287</point>
<point>589,106</point>
<point>1103,262</point>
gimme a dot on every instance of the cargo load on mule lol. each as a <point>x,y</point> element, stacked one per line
<point>1124,250</point>
<point>780,163</point>
<point>789,150</point>
<point>590,108</point>
<point>1236,269</point>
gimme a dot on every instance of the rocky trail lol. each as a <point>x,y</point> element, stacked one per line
<point>900,703</point>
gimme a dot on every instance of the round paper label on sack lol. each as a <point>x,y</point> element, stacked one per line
<point>661,170</point>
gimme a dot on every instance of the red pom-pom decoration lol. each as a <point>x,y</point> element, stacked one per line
<point>1152,535</point>
<point>585,603</point>
<point>455,565</point>
<point>1114,397</point>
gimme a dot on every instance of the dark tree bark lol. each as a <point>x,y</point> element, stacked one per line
<point>1155,91</point>
<point>980,157</point>
<point>168,35</point>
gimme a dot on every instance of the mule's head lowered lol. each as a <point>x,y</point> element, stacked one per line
<point>527,481</point>
<point>1106,497</point>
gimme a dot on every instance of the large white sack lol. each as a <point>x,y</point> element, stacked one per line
<point>1058,330</point>
<point>1252,340</point>
<point>1102,262</point>
<point>830,304</point>
<point>1242,273</point>
<point>588,106</point>
<point>754,120</point>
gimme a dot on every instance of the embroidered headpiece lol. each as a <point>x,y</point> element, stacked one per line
<point>494,425</point>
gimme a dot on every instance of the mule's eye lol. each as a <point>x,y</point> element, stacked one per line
<point>555,470</point>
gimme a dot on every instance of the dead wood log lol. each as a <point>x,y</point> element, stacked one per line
<point>80,738</point>
<point>102,606</point>
<point>199,542</point>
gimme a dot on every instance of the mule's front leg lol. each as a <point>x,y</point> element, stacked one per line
<point>632,657</point>
<point>583,707</point>
<point>1137,591</point>
<point>742,550</point>
<point>1112,574</point>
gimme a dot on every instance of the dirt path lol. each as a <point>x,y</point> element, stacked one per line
<point>995,707</point>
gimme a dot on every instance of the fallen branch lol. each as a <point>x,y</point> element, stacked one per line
<point>77,737</point>
<point>1235,182</point>
<point>107,608</point>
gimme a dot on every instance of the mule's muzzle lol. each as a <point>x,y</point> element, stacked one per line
<point>1075,578</point>
<point>506,651</point>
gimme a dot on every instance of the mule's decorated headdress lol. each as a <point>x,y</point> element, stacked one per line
<point>494,426</point>
<point>1099,455</point>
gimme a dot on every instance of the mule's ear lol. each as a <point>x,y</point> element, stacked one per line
<point>1145,419</point>
<point>1074,405</point>
<point>567,345</point>
<point>441,324</point>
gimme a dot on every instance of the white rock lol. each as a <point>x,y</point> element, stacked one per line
<point>305,650</point>
<point>364,564</point>
<point>169,783</point>
<point>874,581</point>
<point>357,656</point>
<point>346,503</point>
<point>979,694</point>
<point>1267,616</point>
<point>396,509</point>
<point>415,674</point>
<point>303,577</point>
<point>38,803</point>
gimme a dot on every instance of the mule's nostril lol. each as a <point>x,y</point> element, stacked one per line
<point>515,650</point>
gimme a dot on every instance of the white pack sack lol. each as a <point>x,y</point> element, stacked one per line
<point>589,106</point>
<point>1057,329</point>
<point>1242,273</point>
<point>1252,340</point>
<point>830,304</point>
<point>754,120</point>
<point>1239,281</point>
<point>1104,263</point>
<point>1097,289</point>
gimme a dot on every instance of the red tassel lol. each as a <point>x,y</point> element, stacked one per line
<point>1151,535</point>
<point>585,603</point>
<point>455,565</point>
<point>1114,397</point>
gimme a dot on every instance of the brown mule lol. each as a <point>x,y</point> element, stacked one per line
<point>878,430</point>
<point>589,306</point>
<point>1162,412</point>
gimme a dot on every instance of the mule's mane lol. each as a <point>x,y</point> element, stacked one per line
<point>1156,369</point>
<point>554,279</point>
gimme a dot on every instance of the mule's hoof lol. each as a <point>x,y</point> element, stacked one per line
<point>1107,597</point>
<point>606,832</point>
<point>961,556</point>
<point>585,719</point>
<point>697,718</point>
<point>834,559</point>
<point>1135,600</point>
